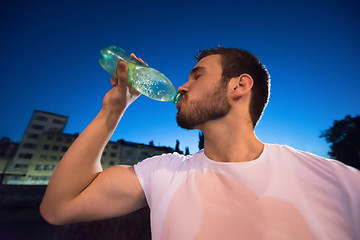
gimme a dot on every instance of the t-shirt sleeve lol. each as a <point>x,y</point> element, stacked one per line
<point>349,178</point>
<point>153,171</point>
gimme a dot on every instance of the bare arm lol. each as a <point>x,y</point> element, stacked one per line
<point>79,190</point>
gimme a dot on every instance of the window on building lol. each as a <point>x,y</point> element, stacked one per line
<point>25,155</point>
<point>39,178</point>
<point>21,166</point>
<point>41,118</point>
<point>53,129</point>
<point>33,136</point>
<point>55,148</point>
<point>39,167</point>
<point>104,154</point>
<point>50,137</point>
<point>29,145</point>
<point>114,146</point>
<point>59,138</point>
<point>53,158</point>
<point>35,178</point>
<point>48,167</point>
<point>16,177</point>
<point>37,127</point>
<point>68,140</point>
<point>58,121</point>
<point>46,147</point>
<point>43,157</point>
<point>113,154</point>
<point>112,163</point>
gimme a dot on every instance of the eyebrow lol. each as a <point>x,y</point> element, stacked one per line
<point>197,69</point>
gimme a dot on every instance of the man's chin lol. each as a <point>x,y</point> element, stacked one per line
<point>185,126</point>
<point>184,123</point>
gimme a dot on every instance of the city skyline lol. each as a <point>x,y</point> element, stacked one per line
<point>33,160</point>
<point>50,54</point>
<point>76,133</point>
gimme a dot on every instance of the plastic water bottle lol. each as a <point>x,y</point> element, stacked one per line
<point>143,78</point>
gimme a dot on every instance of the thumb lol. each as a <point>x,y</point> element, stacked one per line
<point>121,81</point>
<point>122,71</point>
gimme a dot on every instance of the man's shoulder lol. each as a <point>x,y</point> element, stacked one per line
<point>287,151</point>
<point>171,161</point>
<point>309,160</point>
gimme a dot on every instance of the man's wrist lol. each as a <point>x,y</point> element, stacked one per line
<point>111,115</point>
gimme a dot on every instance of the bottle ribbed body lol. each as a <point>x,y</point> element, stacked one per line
<point>151,83</point>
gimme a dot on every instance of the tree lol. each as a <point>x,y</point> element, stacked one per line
<point>187,151</point>
<point>201,141</point>
<point>177,146</point>
<point>344,137</point>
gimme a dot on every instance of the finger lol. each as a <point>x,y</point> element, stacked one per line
<point>143,61</point>
<point>121,67</point>
<point>122,72</point>
<point>114,81</point>
<point>139,59</point>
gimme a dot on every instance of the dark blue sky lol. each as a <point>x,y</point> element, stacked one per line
<point>50,50</point>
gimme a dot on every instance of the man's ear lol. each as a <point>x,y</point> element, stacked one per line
<point>239,86</point>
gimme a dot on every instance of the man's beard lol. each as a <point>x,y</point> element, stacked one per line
<point>214,106</point>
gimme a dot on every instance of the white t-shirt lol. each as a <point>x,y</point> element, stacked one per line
<point>284,194</point>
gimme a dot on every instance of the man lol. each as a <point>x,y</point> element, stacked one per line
<point>236,188</point>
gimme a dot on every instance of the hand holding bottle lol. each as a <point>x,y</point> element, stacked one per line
<point>121,95</point>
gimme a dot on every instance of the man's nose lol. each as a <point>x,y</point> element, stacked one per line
<point>184,88</point>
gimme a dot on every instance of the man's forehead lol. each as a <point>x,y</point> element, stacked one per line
<point>211,61</point>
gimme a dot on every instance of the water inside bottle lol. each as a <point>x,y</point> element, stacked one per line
<point>153,84</point>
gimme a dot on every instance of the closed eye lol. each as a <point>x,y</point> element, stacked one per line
<point>197,72</point>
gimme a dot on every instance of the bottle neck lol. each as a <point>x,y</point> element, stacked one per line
<point>176,98</point>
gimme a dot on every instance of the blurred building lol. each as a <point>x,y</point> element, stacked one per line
<point>44,144</point>
<point>51,147</point>
<point>7,153</point>
<point>132,153</point>
<point>40,123</point>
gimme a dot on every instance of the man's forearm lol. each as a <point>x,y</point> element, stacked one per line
<point>81,163</point>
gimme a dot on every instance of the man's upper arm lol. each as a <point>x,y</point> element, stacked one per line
<point>114,192</point>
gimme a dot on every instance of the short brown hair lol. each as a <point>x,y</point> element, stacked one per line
<point>236,62</point>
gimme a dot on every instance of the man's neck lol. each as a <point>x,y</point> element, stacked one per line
<point>231,144</point>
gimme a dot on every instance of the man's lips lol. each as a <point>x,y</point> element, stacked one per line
<point>178,105</point>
